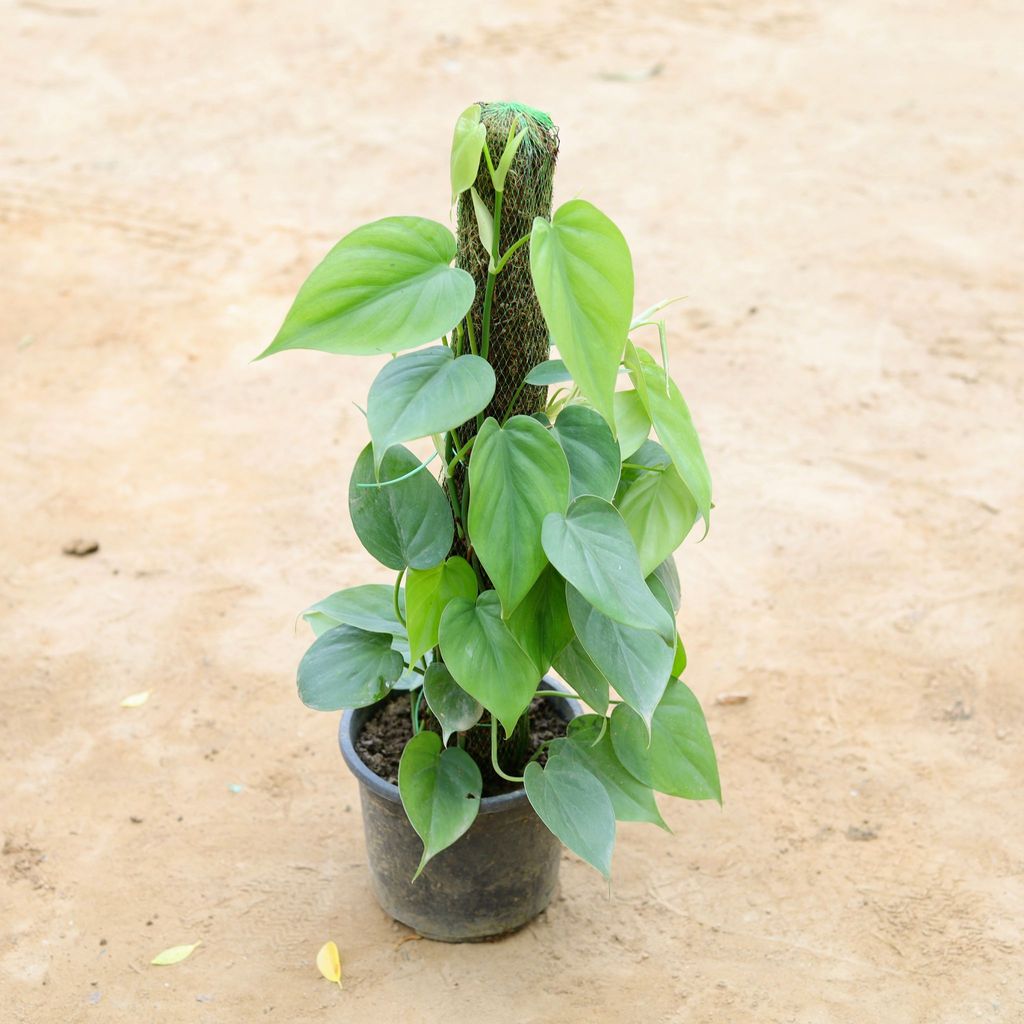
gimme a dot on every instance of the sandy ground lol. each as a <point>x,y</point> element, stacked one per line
<point>837,187</point>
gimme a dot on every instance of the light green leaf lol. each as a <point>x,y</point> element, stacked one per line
<point>657,507</point>
<point>501,171</point>
<point>551,371</point>
<point>675,429</point>
<point>440,790</point>
<point>679,662</point>
<point>370,607</point>
<point>574,665</point>
<point>484,224</point>
<point>424,393</point>
<point>347,667</point>
<point>429,591</point>
<point>636,662</point>
<point>592,548</point>
<point>467,145</point>
<point>583,276</point>
<point>517,475</point>
<point>591,451</point>
<point>589,740</point>
<point>541,623</point>
<point>174,954</point>
<point>680,759</point>
<point>482,655</point>
<point>571,801</point>
<point>455,709</point>
<point>401,524</point>
<point>631,422</point>
<point>385,287</point>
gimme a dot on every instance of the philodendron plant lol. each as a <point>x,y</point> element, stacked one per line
<point>547,538</point>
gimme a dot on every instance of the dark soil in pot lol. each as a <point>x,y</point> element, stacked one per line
<point>386,732</point>
<point>495,878</point>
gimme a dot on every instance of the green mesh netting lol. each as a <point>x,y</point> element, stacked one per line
<point>519,337</point>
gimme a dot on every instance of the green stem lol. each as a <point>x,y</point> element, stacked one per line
<point>565,695</point>
<point>494,754</point>
<point>485,343</point>
<point>512,403</point>
<point>404,476</point>
<point>649,469</point>
<point>509,253</point>
<point>415,705</point>
<point>458,455</point>
<point>397,591</point>
<point>470,333</point>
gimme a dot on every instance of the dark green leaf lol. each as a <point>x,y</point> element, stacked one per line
<point>541,623</point>
<point>370,607</point>
<point>385,287</point>
<point>573,664</point>
<point>583,275</point>
<point>440,790</point>
<point>455,709</point>
<point>591,451</point>
<point>590,741</point>
<point>484,658</point>
<point>429,591</point>
<point>424,393</point>
<point>517,475</point>
<point>592,548</point>
<point>347,667</point>
<point>401,524</point>
<point>680,759</point>
<point>571,801</point>
<point>636,662</point>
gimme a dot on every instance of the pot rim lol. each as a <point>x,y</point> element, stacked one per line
<point>352,721</point>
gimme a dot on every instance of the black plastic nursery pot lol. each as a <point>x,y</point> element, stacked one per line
<point>496,878</point>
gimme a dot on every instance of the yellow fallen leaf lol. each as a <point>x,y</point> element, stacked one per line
<point>135,700</point>
<point>329,962</point>
<point>174,955</point>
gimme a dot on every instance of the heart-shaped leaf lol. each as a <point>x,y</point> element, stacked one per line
<point>455,709</point>
<point>679,759</point>
<point>573,664</point>
<point>517,475</point>
<point>637,662</point>
<point>347,667</point>
<point>589,740</point>
<point>592,548</point>
<point>424,393</point>
<point>591,451</point>
<point>657,507</point>
<point>583,276</point>
<point>551,371</point>
<point>668,576</point>
<point>408,523</point>
<point>671,418</point>
<point>386,287</point>
<point>467,145</point>
<point>541,623</point>
<point>632,424</point>
<point>370,607</point>
<point>483,656</point>
<point>429,591</point>
<point>574,805</point>
<point>440,790</point>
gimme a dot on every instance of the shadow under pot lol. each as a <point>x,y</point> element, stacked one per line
<point>494,879</point>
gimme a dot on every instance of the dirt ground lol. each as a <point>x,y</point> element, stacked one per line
<point>836,187</point>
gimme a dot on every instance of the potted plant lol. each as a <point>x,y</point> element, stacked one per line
<point>545,540</point>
